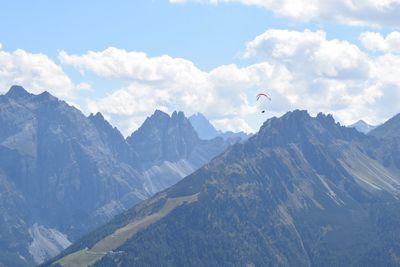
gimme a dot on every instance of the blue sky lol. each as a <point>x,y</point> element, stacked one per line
<point>205,34</point>
<point>45,44</point>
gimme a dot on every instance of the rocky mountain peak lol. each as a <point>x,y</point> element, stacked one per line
<point>65,173</point>
<point>106,128</point>
<point>362,126</point>
<point>113,138</point>
<point>169,137</point>
<point>98,118</point>
<point>17,91</point>
<point>178,115</point>
<point>326,119</point>
<point>206,131</point>
<point>390,129</point>
<point>297,126</point>
<point>304,188</point>
<point>159,114</point>
<point>46,95</point>
<point>203,127</point>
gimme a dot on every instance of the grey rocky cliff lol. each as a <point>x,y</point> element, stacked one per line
<point>63,171</point>
<point>303,191</point>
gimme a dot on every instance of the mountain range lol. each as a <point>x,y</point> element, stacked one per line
<point>63,174</point>
<point>303,191</point>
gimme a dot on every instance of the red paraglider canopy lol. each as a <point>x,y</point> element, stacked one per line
<point>263,94</point>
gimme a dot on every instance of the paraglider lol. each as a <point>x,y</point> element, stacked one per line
<point>263,95</point>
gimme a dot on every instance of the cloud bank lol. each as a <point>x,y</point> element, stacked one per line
<point>375,42</point>
<point>171,84</point>
<point>376,13</point>
<point>332,75</point>
<point>36,72</point>
<point>299,69</point>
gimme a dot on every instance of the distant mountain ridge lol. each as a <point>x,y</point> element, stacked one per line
<point>362,126</point>
<point>390,129</point>
<point>62,173</point>
<point>207,131</point>
<point>303,191</point>
<point>168,146</point>
<point>162,137</point>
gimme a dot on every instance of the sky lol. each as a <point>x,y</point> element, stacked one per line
<point>127,58</point>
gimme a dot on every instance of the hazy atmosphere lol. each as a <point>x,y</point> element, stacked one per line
<point>127,58</point>
<point>200,133</point>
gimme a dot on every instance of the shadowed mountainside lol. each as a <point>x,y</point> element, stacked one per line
<point>303,191</point>
<point>63,174</point>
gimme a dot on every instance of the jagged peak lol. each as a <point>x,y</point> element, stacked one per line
<point>158,116</point>
<point>46,96</point>
<point>361,121</point>
<point>17,91</point>
<point>159,119</point>
<point>297,113</point>
<point>302,115</point>
<point>198,116</point>
<point>326,118</point>
<point>98,115</point>
<point>295,125</point>
<point>178,115</point>
<point>99,119</point>
<point>159,113</point>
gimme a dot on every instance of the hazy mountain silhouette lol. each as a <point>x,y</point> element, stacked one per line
<point>390,129</point>
<point>362,126</point>
<point>303,191</point>
<point>62,173</point>
<point>207,131</point>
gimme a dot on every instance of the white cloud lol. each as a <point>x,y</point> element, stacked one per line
<point>353,12</point>
<point>169,84</point>
<point>84,86</point>
<point>374,41</point>
<point>119,64</point>
<point>36,72</point>
<point>324,58</point>
<point>299,69</point>
<point>332,75</point>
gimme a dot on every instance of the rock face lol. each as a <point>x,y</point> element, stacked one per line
<point>203,127</point>
<point>303,191</point>
<point>389,134</point>
<point>169,149</point>
<point>207,131</point>
<point>162,138</point>
<point>69,173</point>
<point>59,167</point>
<point>362,126</point>
<point>390,129</point>
<point>46,243</point>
